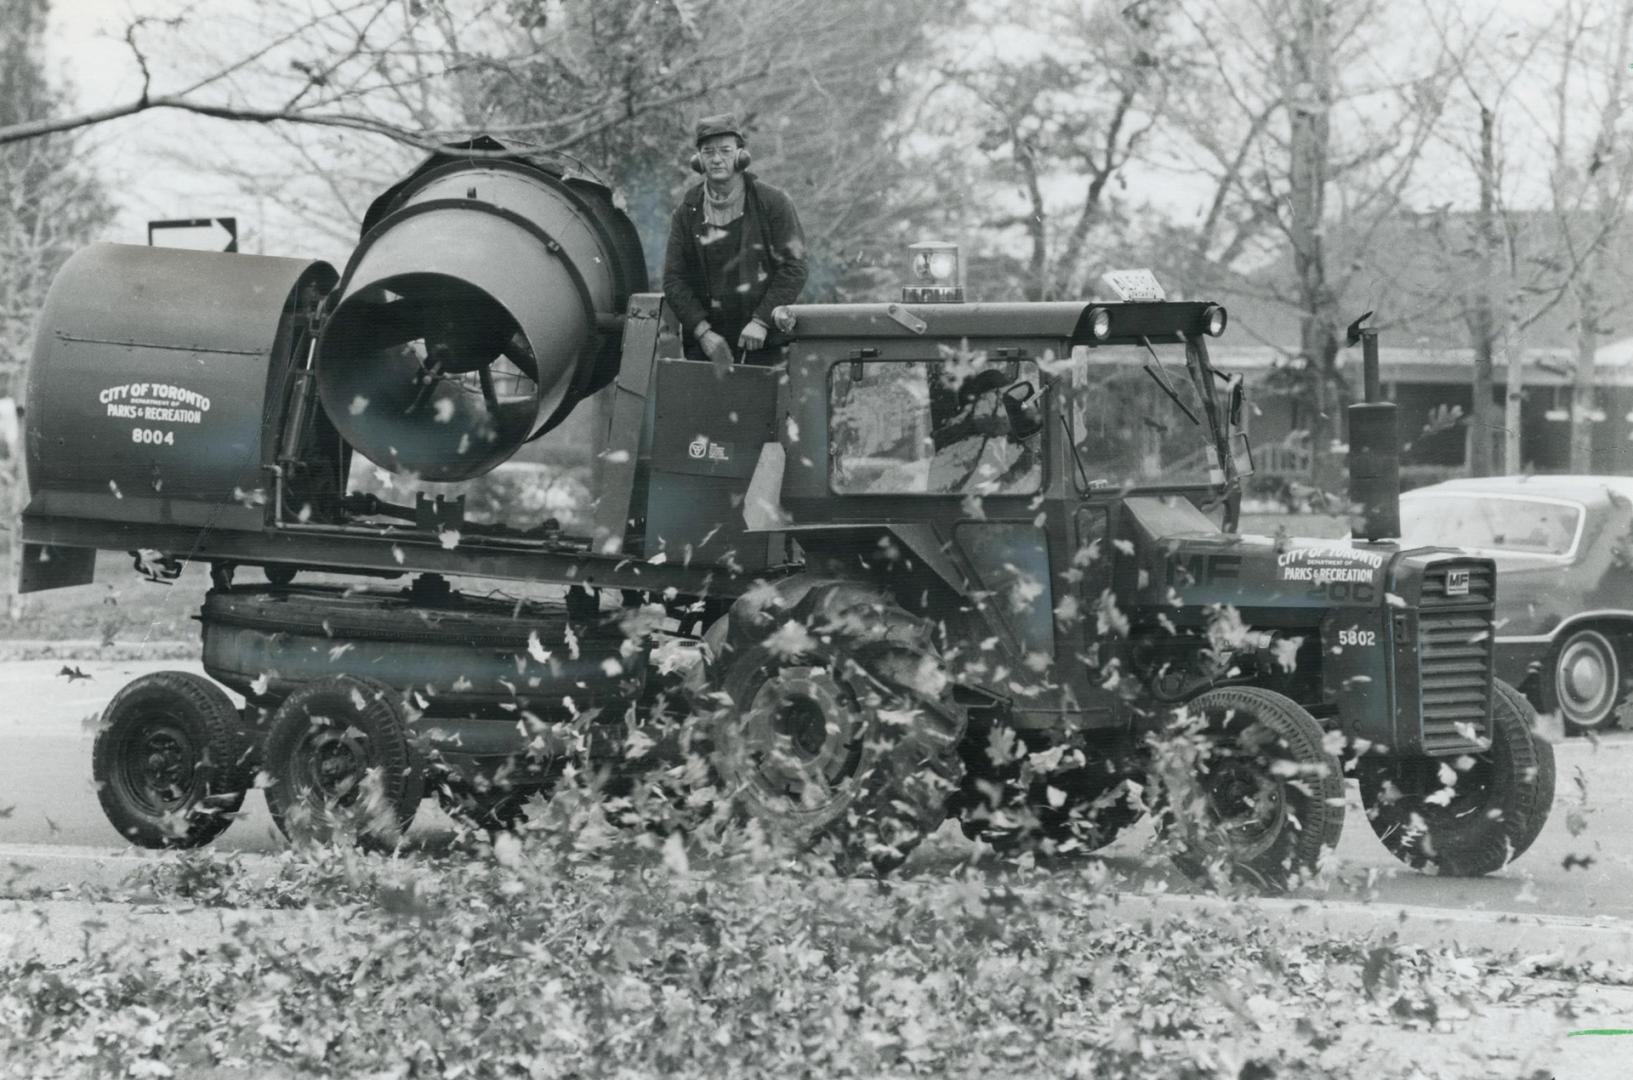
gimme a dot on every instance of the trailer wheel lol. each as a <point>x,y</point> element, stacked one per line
<point>165,761</point>
<point>1468,821</point>
<point>838,730</point>
<point>1269,798</point>
<point>341,764</point>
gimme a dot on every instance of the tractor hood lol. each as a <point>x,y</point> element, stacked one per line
<point>1177,556</point>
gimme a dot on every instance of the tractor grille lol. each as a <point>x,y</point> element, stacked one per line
<point>1455,656</point>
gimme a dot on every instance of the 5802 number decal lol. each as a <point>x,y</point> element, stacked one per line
<point>1358,637</point>
<point>152,437</point>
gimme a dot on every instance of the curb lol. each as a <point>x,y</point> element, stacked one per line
<point>90,649</point>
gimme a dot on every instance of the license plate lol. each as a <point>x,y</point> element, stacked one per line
<point>1457,583</point>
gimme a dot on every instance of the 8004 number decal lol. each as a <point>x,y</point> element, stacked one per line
<point>152,437</point>
<point>1358,637</point>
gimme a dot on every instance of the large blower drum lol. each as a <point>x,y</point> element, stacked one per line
<point>478,309</point>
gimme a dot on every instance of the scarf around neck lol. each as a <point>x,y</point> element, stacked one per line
<point>720,211</point>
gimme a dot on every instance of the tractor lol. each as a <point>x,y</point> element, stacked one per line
<point>949,559</point>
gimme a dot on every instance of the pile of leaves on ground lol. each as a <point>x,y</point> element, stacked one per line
<point>598,951</point>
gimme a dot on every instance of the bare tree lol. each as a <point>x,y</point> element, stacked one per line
<point>1308,121</point>
<point>613,83</point>
<point>49,205</point>
<point>1488,72</point>
<point>1055,114</point>
<point>1591,180</point>
<point>1516,265</point>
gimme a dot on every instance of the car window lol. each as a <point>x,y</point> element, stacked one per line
<point>1481,521</point>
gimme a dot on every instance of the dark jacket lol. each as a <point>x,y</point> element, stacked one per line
<point>772,267</point>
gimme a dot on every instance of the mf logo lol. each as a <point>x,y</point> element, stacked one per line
<point>1457,583</point>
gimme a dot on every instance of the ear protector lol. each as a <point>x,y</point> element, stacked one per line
<point>744,160</point>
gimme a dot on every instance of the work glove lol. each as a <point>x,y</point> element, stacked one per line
<point>752,337</point>
<point>715,348</point>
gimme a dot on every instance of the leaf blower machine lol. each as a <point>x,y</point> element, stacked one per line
<point>953,559</point>
<point>189,406</point>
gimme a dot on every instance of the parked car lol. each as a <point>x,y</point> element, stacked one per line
<point>1564,554</point>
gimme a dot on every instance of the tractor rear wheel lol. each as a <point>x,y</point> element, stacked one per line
<point>1269,799</point>
<point>341,764</point>
<point>166,761</point>
<point>837,730</point>
<point>1468,816</point>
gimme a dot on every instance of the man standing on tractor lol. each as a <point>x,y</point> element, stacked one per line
<point>736,253</point>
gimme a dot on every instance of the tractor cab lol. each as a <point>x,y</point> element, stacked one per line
<point>981,406</point>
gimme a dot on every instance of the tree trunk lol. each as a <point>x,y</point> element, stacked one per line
<point>1483,322</point>
<point>1309,99</point>
<point>1038,265</point>
<point>1513,350</point>
<point>11,503</point>
<point>1582,388</point>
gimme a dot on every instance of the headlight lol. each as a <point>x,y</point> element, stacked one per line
<point>1100,324</point>
<point>1215,320</point>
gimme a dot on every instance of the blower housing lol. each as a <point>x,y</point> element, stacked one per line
<point>480,307</point>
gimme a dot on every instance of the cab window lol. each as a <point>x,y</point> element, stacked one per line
<point>935,427</point>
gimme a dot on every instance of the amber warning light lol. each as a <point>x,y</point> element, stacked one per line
<point>938,275</point>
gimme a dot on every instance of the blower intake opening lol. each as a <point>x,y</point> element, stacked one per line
<point>430,375</point>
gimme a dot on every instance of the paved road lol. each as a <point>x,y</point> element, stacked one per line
<point>45,742</point>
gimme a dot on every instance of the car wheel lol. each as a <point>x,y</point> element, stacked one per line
<point>1585,680</point>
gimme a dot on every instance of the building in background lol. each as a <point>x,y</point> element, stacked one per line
<point>1421,276</point>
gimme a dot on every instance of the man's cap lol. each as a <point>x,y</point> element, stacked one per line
<point>723,124</point>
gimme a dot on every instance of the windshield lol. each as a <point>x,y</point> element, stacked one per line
<point>1128,429</point>
<point>1537,526</point>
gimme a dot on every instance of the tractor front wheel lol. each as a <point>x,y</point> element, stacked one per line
<point>1465,816</point>
<point>1265,799</point>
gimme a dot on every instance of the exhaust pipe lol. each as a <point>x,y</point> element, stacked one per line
<point>1374,450</point>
